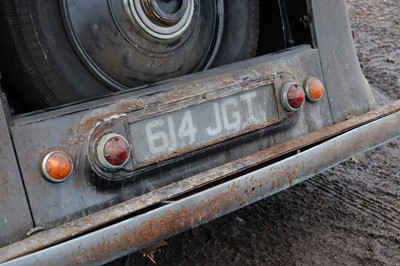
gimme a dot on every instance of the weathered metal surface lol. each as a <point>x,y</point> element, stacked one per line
<point>134,233</point>
<point>347,89</point>
<point>69,128</point>
<point>119,211</point>
<point>167,135</point>
<point>15,217</point>
<point>199,122</point>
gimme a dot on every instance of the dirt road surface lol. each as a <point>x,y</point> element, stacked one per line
<point>349,215</point>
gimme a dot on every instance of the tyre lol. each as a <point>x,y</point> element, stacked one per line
<point>57,52</point>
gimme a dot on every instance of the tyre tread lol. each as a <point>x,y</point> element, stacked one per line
<point>22,48</point>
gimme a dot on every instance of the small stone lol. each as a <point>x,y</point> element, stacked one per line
<point>390,60</point>
<point>240,220</point>
<point>355,160</point>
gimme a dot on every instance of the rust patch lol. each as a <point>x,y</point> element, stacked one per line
<point>172,222</point>
<point>86,220</point>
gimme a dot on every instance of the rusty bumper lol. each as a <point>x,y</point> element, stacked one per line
<point>90,241</point>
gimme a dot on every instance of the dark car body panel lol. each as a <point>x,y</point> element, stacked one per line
<point>15,216</point>
<point>71,132</point>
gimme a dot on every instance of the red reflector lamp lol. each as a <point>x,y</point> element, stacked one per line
<point>57,166</point>
<point>113,151</point>
<point>292,96</point>
<point>314,89</point>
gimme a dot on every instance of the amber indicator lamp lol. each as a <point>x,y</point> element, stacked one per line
<point>57,166</point>
<point>314,89</point>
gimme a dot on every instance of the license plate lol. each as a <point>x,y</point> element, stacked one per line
<point>186,130</point>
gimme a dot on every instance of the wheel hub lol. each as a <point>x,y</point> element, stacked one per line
<point>160,19</point>
<point>165,12</point>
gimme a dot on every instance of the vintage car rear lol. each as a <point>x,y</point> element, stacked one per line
<point>124,122</point>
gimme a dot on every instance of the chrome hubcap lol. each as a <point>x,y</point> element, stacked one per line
<point>160,19</point>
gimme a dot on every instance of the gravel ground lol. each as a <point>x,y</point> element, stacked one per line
<point>349,215</point>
